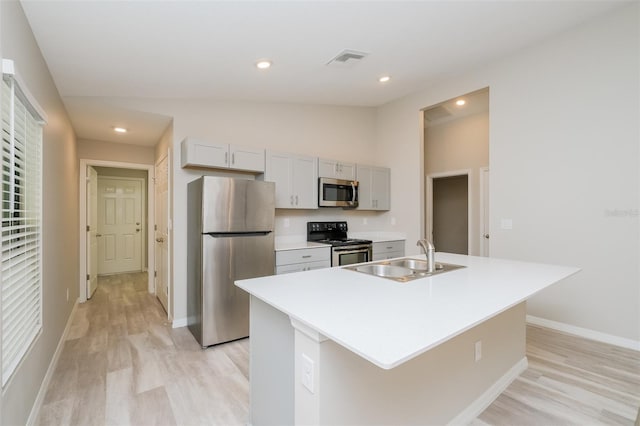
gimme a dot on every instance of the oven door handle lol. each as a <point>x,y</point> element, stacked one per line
<point>350,250</point>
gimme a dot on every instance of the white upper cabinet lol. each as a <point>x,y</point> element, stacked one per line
<point>336,169</point>
<point>374,187</point>
<point>296,179</point>
<point>199,153</point>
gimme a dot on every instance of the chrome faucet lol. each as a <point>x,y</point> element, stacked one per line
<point>429,250</point>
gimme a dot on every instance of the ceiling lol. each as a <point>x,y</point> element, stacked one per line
<point>99,51</point>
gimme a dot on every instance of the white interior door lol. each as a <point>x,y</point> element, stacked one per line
<point>162,232</point>
<point>119,225</point>
<point>92,231</point>
<point>484,201</point>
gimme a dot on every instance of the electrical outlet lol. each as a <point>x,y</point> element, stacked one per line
<point>287,222</point>
<point>307,372</point>
<point>478,350</point>
<point>364,221</point>
<point>393,221</point>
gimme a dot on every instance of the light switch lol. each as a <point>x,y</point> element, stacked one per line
<point>506,224</point>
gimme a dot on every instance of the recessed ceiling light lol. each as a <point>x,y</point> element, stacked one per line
<point>384,79</point>
<point>461,102</point>
<point>263,64</point>
<point>120,130</point>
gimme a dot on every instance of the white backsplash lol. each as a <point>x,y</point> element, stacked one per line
<point>293,223</point>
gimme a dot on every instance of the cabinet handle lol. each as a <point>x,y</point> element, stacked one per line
<point>389,248</point>
<point>306,256</point>
<point>296,200</point>
<point>233,158</point>
<point>292,200</point>
<point>226,158</point>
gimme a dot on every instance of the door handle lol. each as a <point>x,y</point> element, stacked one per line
<point>160,240</point>
<point>486,236</point>
<point>137,229</point>
<point>98,235</point>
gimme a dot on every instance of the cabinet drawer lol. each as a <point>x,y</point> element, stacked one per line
<point>289,257</point>
<point>388,246</point>
<point>299,267</point>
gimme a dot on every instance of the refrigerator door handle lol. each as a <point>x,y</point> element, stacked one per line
<point>237,234</point>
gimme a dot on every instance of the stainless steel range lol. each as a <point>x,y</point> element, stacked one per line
<point>344,250</point>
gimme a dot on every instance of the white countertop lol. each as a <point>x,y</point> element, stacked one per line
<point>297,245</point>
<point>389,323</point>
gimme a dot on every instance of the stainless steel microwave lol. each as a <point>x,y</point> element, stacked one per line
<point>337,193</point>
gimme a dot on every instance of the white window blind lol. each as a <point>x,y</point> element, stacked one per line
<point>21,253</point>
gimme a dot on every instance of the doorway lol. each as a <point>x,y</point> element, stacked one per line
<point>448,208</point>
<point>451,214</point>
<point>89,232</point>
<point>456,143</point>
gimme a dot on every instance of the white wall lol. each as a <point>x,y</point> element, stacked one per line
<point>108,151</point>
<point>564,156</point>
<point>457,145</point>
<point>60,213</point>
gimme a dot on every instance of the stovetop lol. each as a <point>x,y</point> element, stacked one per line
<point>334,233</point>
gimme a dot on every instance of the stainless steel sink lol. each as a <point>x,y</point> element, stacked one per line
<point>402,270</point>
<point>415,264</point>
<point>386,271</point>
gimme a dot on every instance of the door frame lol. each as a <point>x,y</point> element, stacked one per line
<point>150,168</point>
<point>485,247</point>
<point>429,202</point>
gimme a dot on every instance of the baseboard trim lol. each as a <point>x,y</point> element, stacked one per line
<point>585,332</point>
<point>37,404</point>
<point>490,395</point>
<point>180,322</point>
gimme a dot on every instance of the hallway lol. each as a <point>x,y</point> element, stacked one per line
<point>122,363</point>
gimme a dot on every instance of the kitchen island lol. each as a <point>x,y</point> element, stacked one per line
<point>335,346</point>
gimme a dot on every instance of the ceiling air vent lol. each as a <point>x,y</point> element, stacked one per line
<point>347,58</point>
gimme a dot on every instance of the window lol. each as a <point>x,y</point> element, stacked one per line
<point>21,252</point>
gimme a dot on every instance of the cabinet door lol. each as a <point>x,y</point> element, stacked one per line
<point>336,169</point>
<point>380,185</point>
<point>327,168</point>
<point>278,169</point>
<point>199,153</point>
<point>244,158</point>
<point>364,187</point>
<point>305,182</point>
<point>347,171</point>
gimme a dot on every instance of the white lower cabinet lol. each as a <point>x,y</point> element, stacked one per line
<point>298,260</point>
<point>388,250</point>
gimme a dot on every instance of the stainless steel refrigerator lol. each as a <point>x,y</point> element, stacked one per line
<point>230,237</point>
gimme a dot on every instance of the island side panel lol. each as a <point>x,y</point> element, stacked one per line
<point>271,366</point>
<point>433,388</point>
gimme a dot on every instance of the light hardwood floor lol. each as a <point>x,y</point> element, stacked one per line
<point>123,364</point>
